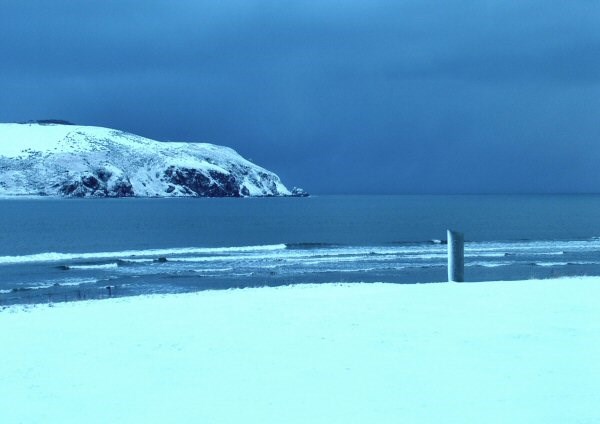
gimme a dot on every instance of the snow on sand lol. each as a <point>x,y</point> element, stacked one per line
<point>519,352</point>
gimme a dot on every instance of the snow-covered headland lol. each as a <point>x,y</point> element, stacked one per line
<point>503,352</point>
<point>77,161</point>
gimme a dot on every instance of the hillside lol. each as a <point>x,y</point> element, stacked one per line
<point>41,159</point>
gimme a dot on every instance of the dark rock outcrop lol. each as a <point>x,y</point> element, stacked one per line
<point>215,184</point>
<point>298,192</point>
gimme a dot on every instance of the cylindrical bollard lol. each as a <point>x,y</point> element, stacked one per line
<point>456,256</point>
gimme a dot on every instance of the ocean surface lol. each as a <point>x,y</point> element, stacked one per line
<point>56,250</point>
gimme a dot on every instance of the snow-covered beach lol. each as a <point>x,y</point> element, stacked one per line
<point>518,352</point>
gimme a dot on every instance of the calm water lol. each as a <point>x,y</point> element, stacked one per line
<point>72,249</point>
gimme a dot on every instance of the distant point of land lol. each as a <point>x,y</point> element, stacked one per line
<point>48,122</point>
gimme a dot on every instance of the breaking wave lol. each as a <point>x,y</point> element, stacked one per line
<point>148,270</point>
<point>57,257</point>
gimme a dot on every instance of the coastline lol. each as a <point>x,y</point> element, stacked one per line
<point>523,351</point>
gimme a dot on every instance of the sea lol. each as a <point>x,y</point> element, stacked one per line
<point>54,250</point>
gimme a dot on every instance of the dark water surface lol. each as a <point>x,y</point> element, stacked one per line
<point>71,249</point>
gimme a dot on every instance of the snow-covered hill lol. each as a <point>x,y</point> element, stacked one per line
<point>78,161</point>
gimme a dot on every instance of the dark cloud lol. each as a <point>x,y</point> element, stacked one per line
<point>337,96</point>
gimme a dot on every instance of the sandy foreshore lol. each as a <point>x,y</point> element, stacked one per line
<point>501,352</point>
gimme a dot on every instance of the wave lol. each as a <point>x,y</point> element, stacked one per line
<point>554,246</point>
<point>548,264</point>
<point>215,269</point>
<point>47,285</point>
<point>131,261</point>
<point>488,264</point>
<point>348,271</point>
<point>418,243</point>
<point>306,246</point>
<point>93,267</point>
<point>313,255</point>
<point>155,253</point>
<point>470,254</point>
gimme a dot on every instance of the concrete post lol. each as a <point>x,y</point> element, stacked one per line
<point>456,256</point>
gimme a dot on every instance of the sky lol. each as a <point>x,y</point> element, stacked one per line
<point>337,97</point>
